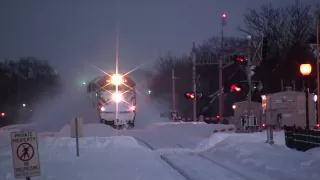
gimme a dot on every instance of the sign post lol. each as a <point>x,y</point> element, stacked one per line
<point>77,131</point>
<point>25,154</point>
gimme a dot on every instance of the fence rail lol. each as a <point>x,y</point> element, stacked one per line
<point>301,139</point>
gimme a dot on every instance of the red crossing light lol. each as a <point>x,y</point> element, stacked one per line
<point>240,59</point>
<point>235,88</point>
<point>190,95</point>
<point>3,114</point>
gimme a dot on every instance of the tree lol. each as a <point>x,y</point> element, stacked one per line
<point>288,30</point>
<point>207,75</point>
<point>25,82</point>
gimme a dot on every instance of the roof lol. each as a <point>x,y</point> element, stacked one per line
<point>287,93</point>
<point>245,102</point>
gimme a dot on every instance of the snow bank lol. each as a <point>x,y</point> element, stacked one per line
<point>250,150</point>
<point>16,127</point>
<point>177,135</point>
<point>258,136</point>
<point>100,130</point>
<point>120,158</point>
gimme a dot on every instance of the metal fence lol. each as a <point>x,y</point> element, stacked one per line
<point>301,139</point>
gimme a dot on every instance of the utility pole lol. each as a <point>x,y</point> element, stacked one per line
<point>173,92</point>
<point>248,68</point>
<point>194,84</point>
<point>318,68</point>
<point>223,23</point>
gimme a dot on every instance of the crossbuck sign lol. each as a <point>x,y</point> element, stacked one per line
<point>25,154</point>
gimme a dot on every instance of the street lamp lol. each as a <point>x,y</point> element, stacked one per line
<point>305,70</point>
<point>318,60</point>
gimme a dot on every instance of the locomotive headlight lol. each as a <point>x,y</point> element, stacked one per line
<point>116,97</point>
<point>116,79</point>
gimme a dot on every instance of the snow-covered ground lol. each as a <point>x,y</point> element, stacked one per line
<point>165,151</point>
<point>155,150</point>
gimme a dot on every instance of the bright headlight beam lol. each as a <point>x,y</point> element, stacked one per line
<point>116,97</point>
<point>116,79</point>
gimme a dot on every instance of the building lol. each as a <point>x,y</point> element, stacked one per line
<point>288,108</point>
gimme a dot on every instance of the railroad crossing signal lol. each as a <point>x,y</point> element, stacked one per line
<point>240,60</point>
<point>190,95</point>
<point>236,88</point>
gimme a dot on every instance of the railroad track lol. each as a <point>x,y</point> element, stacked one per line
<point>195,166</point>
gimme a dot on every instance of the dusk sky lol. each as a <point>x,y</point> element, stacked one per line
<point>79,33</point>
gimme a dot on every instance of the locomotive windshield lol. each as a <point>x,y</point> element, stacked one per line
<point>121,87</point>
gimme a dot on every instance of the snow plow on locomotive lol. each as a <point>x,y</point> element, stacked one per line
<point>115,99</point>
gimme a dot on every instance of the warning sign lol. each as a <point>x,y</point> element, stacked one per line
<point>25,154</point>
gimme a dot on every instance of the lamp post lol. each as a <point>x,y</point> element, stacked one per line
<point>315,99</point>
<point>305,70</point>
<point>318,61</point>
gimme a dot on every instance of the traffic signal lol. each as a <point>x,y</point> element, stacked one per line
<point>240,60</point>
<point>235,88</point>
<point>265,48</point>
<point>3,114</point>
<point>190,95</point>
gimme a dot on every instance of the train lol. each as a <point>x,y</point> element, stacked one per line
<point>114,97</point>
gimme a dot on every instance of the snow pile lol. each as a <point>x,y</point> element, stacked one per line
<point>178,135</point>
<point>101,158</point>
<point>100,130</point>
<point>250,150</point>
<point>16,127</point>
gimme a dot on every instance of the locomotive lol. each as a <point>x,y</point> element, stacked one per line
<point>114,96</point>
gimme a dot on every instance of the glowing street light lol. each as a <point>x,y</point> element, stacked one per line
<point>315,98</point>
<point>234,106</point>
<point>305,69</point>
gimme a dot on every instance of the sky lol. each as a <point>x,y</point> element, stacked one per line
<point>75,35</point>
